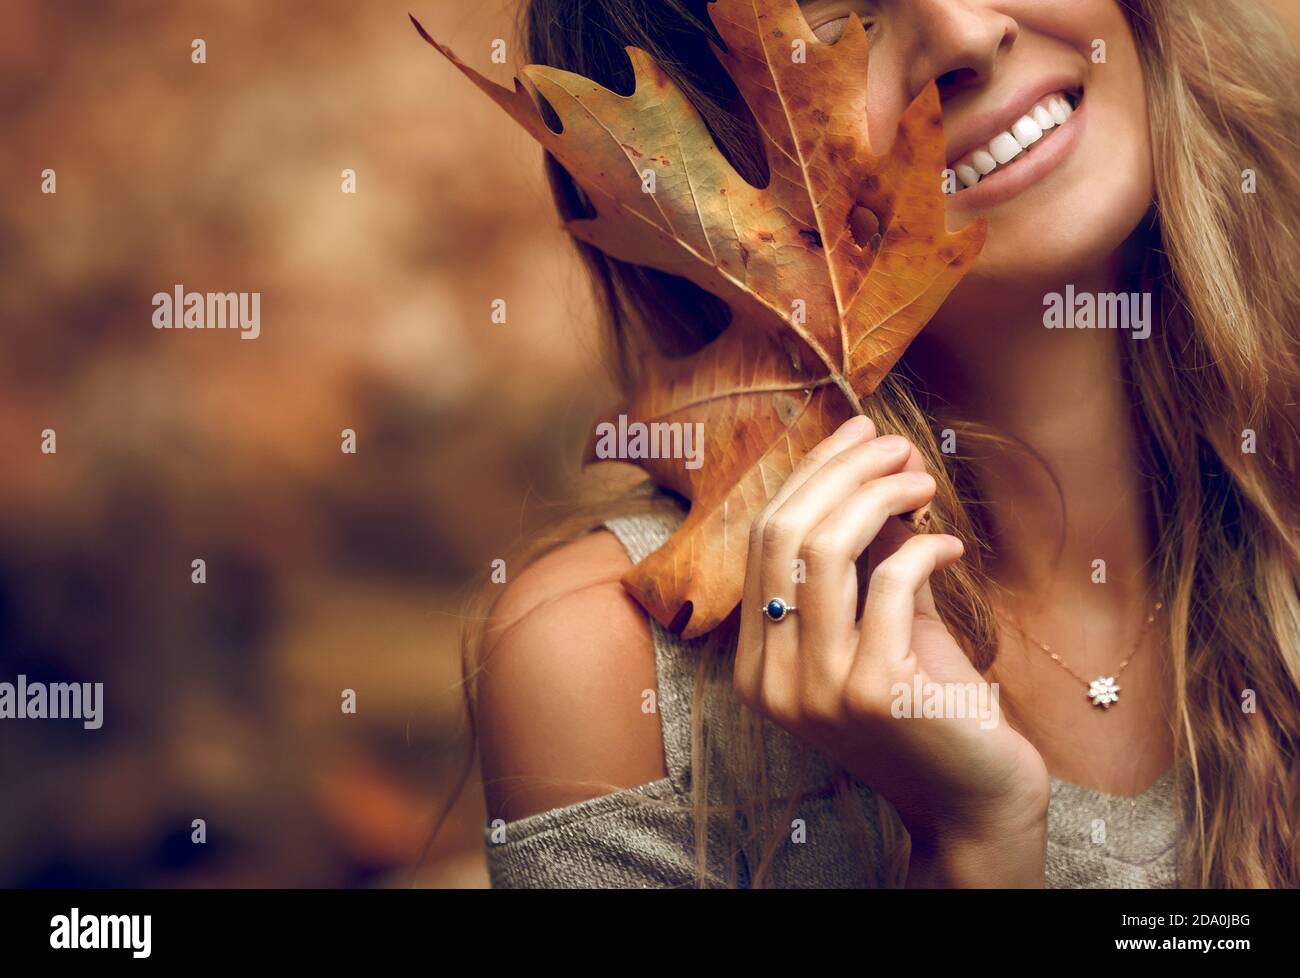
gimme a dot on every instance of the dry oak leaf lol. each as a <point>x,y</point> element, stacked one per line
<point>817,317</point>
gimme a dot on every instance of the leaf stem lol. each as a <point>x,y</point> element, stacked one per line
<point>843,384</point>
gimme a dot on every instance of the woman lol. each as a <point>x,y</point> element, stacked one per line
<point>1111,504</point>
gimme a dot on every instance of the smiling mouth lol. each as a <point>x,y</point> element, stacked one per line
<point>1012,145</point>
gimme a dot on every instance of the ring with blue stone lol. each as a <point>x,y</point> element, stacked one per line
<point>776,609</point>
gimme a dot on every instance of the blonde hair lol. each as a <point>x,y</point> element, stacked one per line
<point>1223,366</point>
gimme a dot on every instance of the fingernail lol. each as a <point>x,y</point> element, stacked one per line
<point>855,424</point>
<point>890,443</point>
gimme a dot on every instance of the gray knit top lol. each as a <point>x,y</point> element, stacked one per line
<point>645,836</point>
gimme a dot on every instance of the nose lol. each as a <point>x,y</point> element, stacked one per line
<point>958,43</point>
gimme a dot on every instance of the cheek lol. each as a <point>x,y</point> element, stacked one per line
<point>1118,164</point>
<point>887,98</point>
<point>1114,166</point>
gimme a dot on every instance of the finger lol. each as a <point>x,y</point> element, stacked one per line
<point>857,430</point>
<point>862,519</point>
<point>825,486</point>
<point>784,532</point>
<point>830,551</point>
<point>898,532</point>
<point>753,624</point>
<point>821,491</point>
<point>886,631</point>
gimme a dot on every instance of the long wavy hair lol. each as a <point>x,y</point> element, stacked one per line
<point>1222,369</point>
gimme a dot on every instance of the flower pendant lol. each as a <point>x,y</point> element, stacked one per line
<point>1103,692</point>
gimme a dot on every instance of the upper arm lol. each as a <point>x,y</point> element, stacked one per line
<point>561,685</point>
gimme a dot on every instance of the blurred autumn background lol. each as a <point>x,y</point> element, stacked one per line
<point>325,571</point>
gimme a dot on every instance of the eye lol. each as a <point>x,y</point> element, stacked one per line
<point>832,29</point>
<point>829,31</point>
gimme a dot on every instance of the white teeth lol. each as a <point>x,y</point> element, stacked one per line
<point>1051,112</point>
<point>1004,147</point>
<point>1026,131</point>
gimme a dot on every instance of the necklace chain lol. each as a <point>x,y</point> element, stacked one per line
<point>1102,690</point>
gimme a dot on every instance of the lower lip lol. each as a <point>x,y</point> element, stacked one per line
<point>1023,172</point>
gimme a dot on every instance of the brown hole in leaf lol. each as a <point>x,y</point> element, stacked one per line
<point>812,236</point>
<point>865,226</point>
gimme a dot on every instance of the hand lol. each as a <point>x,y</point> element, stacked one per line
<point>963,787</point>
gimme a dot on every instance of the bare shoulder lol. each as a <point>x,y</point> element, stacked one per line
<point>563,674</point>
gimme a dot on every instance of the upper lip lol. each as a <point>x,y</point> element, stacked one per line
<point>977,129</point>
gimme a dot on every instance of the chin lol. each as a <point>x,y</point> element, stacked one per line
<point>1041,241</point>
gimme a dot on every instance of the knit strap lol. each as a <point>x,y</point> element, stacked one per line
<point>675,659</point>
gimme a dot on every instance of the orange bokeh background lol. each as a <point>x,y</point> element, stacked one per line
<point>325,571</point>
